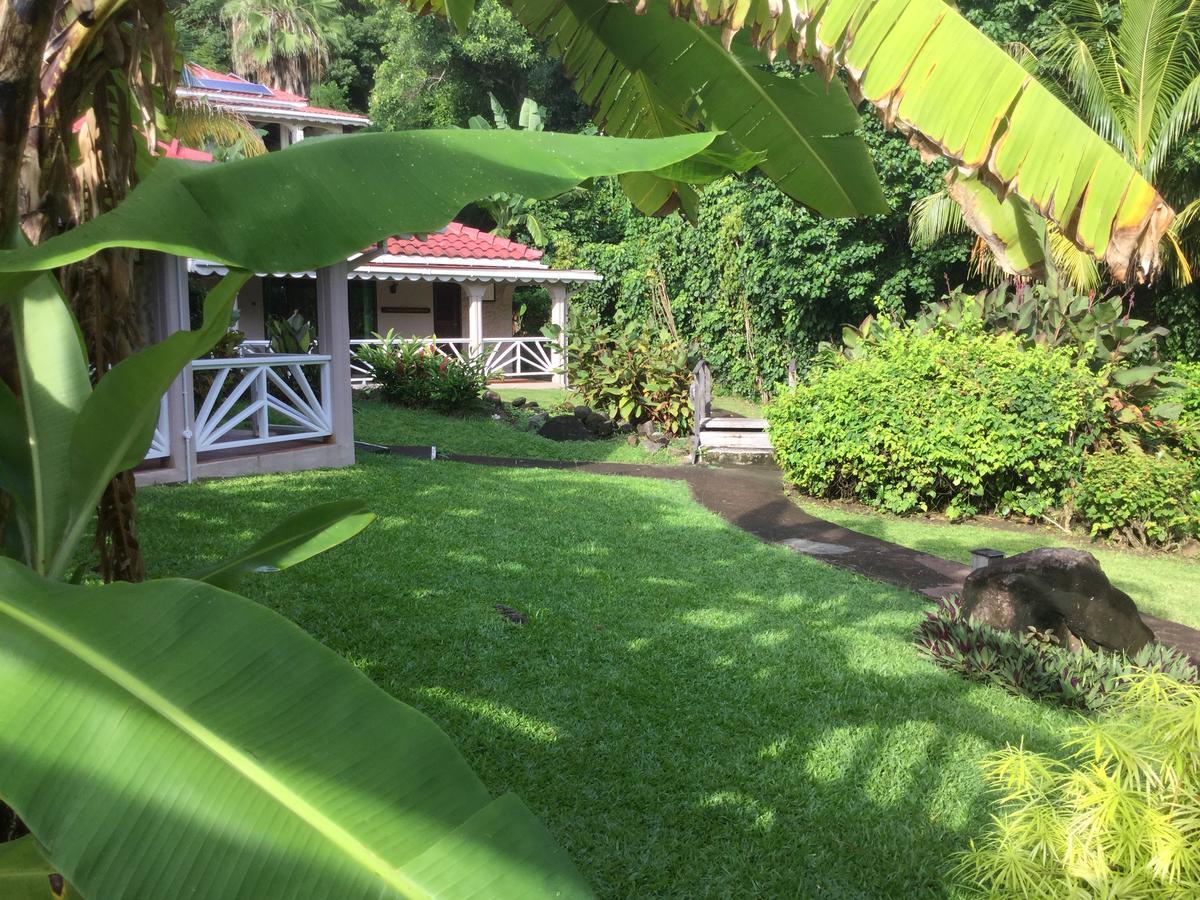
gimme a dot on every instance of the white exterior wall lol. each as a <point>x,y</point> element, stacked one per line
<point>497,314</point>
<point>250,310</point>
<point>407,293</point>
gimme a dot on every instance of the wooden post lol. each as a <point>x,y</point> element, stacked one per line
<point>333,338</point>
<point>793,378</point>
<point>700,396</point>
<point>475,291</point>
<point>558,316</point>
<point>173,314</point>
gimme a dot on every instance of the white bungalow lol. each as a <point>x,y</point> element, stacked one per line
<point>254,410</point>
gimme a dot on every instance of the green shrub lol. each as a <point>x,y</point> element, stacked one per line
<point>1139,497</point>
<point>1121,818</point>
<point>1035,665</point>
<point>955,420</point>
<point>415,374</point>
<point>634,373</point>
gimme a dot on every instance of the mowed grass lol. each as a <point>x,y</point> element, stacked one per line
<point>380,423</point>
<point>692,713</point>
<point>1163,584</point>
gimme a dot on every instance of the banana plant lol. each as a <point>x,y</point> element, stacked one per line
<point>673,66</point>
<point>172,738</point>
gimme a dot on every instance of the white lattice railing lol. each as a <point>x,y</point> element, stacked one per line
<point>160,444</point>
<point>260,399</point>
<point>518,357</point>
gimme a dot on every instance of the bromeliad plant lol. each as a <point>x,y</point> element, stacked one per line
<point>1036,665</point>
<point>171,737</point>
<point>416,374</point>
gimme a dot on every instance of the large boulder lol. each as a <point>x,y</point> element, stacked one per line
<point>1061,591</point>
<point>565,428</point>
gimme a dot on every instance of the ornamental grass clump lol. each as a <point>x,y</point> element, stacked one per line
<point>1119,818</point>
<point>1036,665</point>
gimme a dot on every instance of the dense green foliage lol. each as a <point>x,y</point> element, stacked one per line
<point>1143,497</point>
<point>757,281</point>
<point>1118,819</point>
<point>956,420</point>
<point>1035,665</point>
<point>633,373</point>
<point>415,374</point>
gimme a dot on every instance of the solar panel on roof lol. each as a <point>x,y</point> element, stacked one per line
<point>233,87</point>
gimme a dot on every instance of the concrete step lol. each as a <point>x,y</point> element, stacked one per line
<point>732,423</point>
<point>740,440</point>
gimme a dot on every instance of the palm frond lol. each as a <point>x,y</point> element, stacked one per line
<point>1176,122</point>
<point>199,123</point>
<point>933,217</point>
<point>1074,266</point>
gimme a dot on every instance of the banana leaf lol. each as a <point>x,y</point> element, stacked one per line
<point>170,739</point>
<point>321,200</point>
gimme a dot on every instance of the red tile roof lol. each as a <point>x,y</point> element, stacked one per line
<point>176,150</point>
<point>293,103</point>
<point>460,241</point>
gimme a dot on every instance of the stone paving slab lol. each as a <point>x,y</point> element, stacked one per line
<point>753,499</point>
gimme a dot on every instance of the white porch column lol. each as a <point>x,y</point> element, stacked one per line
<point>475,291</point>
<point>333,338</point>
<point>559,295</point>
<point>173,314</point>
<point>297,133</point>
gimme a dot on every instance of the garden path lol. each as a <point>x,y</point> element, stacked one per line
<point>753,499</point>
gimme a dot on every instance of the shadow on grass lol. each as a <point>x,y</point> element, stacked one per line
<point>690,711</point>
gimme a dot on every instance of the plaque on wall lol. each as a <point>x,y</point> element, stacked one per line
<point>405,309</point>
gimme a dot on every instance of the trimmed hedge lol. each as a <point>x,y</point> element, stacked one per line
<point>1143,498</point>
<point>959,421</point>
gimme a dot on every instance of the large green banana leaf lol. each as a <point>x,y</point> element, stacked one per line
<point>926,70</point>
<point>321,200</point>
<point>170,739</point>
<point>654,75</point>
<point>931,74</point>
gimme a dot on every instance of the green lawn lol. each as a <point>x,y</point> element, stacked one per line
<point>1162,584</point>
<point>692,712</point>
<point>379,423</point>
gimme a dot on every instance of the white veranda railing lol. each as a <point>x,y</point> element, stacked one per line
<point>160,444</point>
<point>261,399</point>
<point>516,357</point>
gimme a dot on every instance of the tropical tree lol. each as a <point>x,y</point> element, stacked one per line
<point>685,65</point>
<point>282,43</point>
<point>1136,81</point>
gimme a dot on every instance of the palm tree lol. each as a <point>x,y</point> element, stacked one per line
<point>1136,82</point>
<point>282,43</point>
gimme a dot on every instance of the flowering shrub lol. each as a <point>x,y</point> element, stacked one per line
<point>945,419</point>
<point>1119,818</point>
<point>1035,665</point>
<point>415,374</point>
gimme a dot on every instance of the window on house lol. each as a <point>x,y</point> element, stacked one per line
<point>363,320</point>
<point>282,297</point>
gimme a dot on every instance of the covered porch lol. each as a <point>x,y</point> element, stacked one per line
<point>257,405</point>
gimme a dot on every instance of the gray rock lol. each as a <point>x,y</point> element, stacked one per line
<point>536,422</point>
<point>565,428</point>
<point>604,429</point>
<point>632,440</point>
<point>650,445</point>
<point>1058,590</point>
<point>595,420</point>
<point>518,402</point>
<point>625,428</point>
<point>492,397</point>
<point>532,404</point>
<point>582,412</point>
<point>646,429</point>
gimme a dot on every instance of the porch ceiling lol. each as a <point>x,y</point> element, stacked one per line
<point>446,270</point>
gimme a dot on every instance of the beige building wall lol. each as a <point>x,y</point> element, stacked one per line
<point>406,306</point>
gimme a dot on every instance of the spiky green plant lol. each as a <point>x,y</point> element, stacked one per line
<point>1119,818</point>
